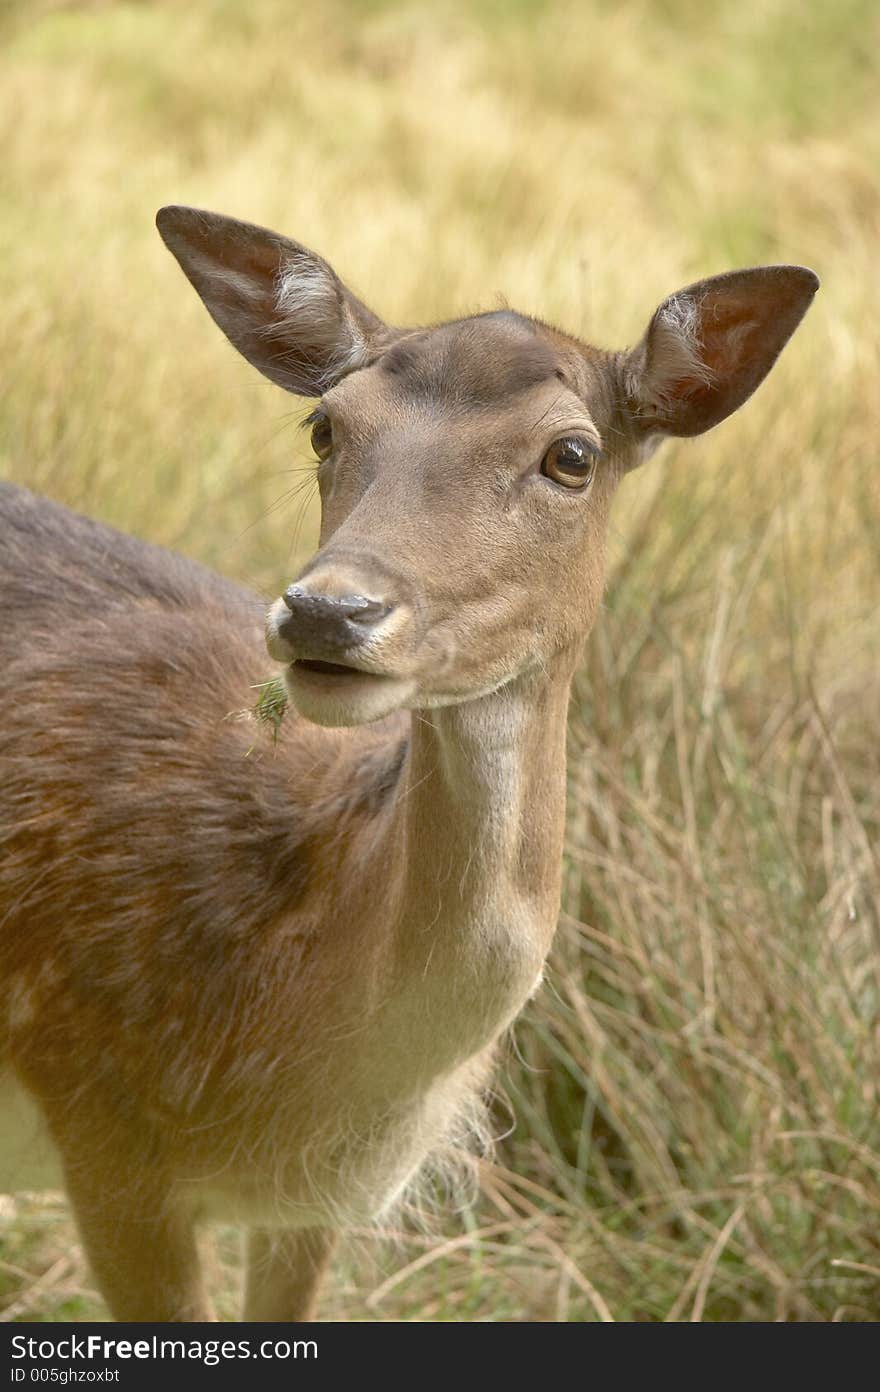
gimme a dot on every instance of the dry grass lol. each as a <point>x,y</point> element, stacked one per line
<point>697,1131</point>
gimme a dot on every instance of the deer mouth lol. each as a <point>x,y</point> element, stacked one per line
<point>328,669</point>
<point>339,693</point>
<point>318,674</point>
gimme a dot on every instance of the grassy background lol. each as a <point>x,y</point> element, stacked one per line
<point>695,1090</point>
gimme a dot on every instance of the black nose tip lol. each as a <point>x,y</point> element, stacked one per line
<point>355,607</point>
<point>327,624</point>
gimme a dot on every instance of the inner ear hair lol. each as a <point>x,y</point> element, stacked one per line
<point>676,349</point>
<point>282,306</point>
<point>710,345</point>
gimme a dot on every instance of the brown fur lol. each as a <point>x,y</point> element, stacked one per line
<point>262,980</point>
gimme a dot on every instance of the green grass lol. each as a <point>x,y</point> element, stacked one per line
<point>697,1133</point>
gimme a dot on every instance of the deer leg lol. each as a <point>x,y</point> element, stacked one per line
<point>140,1244</point>
<point>284,1272</point>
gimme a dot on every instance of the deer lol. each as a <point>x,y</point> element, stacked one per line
<point>265,981</point>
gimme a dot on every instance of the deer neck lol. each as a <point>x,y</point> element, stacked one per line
<point>481,814</point>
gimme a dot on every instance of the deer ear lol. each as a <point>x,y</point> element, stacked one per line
<point>281,306</point>
<point>708,347</point>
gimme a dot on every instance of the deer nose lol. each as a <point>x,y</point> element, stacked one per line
<point>329,623</point>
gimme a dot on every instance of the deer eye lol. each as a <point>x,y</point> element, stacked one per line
<point>322,436</point>
<point>570,461</point>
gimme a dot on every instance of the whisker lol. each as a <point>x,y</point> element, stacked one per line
<point>303,509</point>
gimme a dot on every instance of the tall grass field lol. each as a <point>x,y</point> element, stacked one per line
<point>688,1111</point>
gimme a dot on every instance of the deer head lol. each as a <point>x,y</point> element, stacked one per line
<point>466,470</point>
